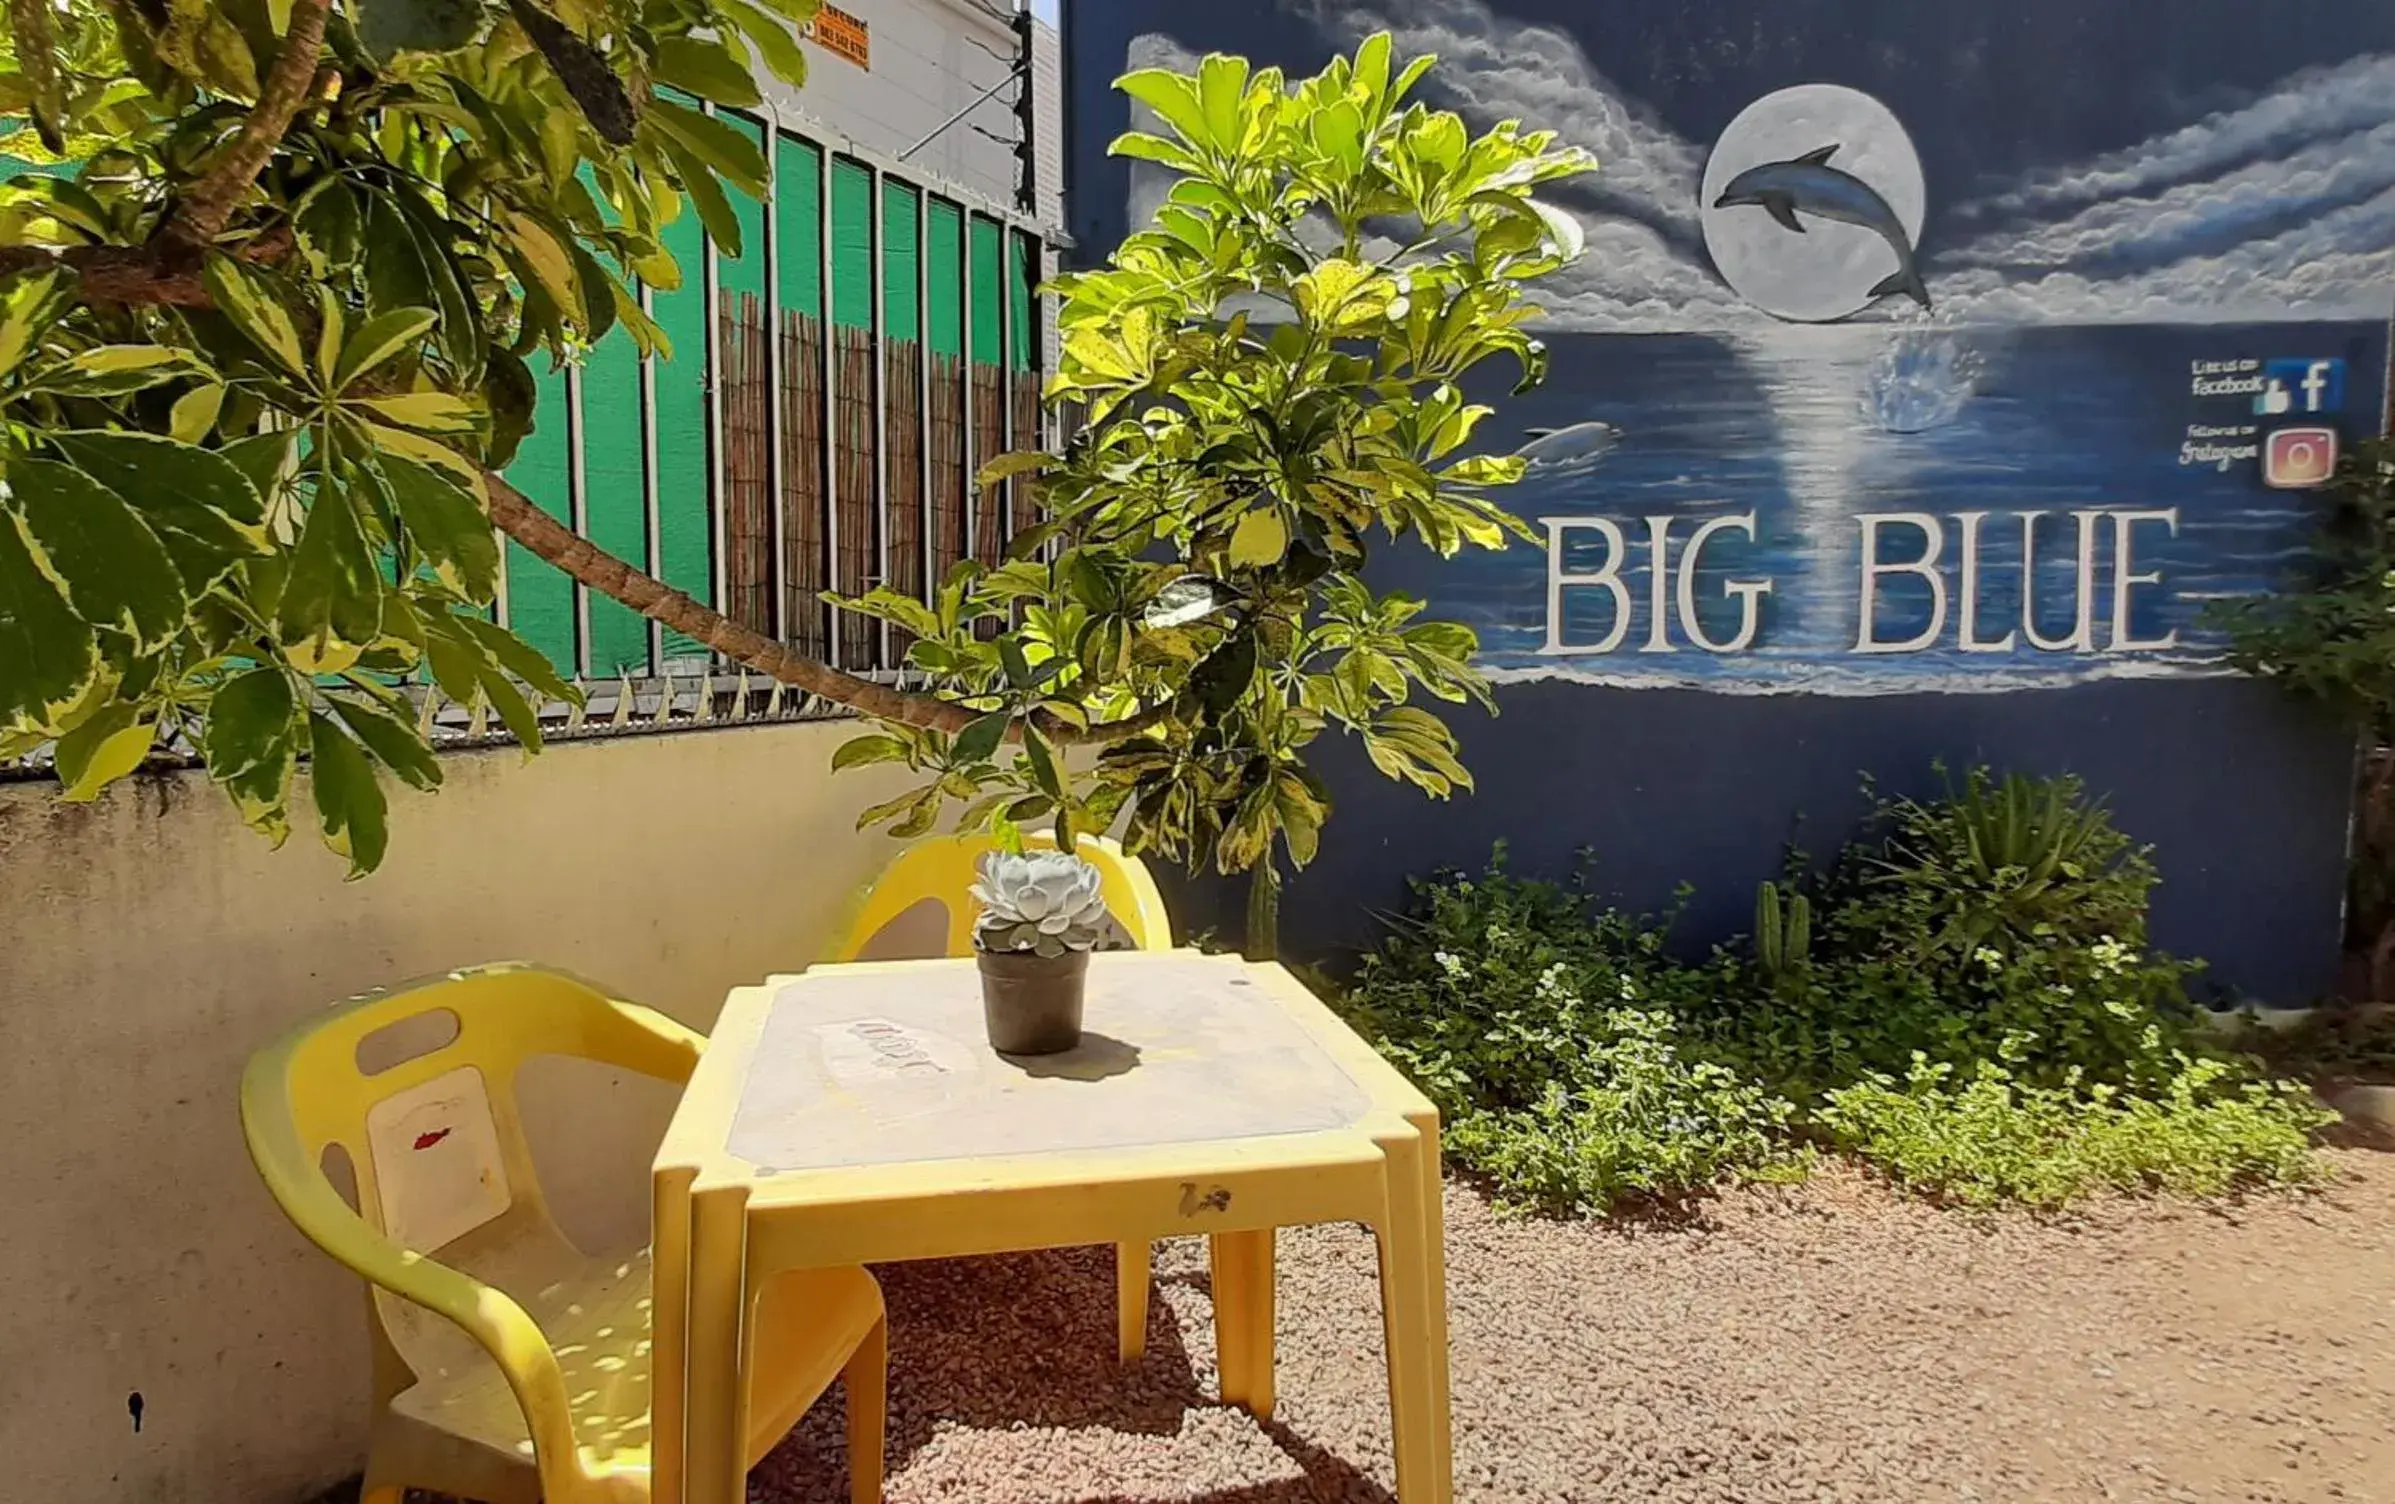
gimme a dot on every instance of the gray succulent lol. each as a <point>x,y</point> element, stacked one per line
<point>1046,902</point>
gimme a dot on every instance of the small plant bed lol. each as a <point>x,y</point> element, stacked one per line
<point>1964,999</point>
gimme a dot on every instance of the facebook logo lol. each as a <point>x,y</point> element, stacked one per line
<point>2301,386</point>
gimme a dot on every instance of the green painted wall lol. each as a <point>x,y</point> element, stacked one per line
<point>901,255</point>
<point>986,285</point>
<point>944,245</point>
<point>852,245</point>
<point>798,224</point>
<point>615,495</point>
<point>1022,270</point>
<point>746,272</point>
<point>540,599</point>
<point>685,535</point>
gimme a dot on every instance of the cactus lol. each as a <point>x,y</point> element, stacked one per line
<point>1783,930</point>
<point>1046,902</point>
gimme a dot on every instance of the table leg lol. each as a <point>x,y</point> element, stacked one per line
<point>1415,1394</point>
<point>669,1314</point>
<point>1232,1324</point>
<point>716,1410</point>
<point>1243,1317</point>
<point>1434,1237</point>
<point>1133,1273</point>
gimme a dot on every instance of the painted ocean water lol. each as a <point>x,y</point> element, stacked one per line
<point>1812,428</point>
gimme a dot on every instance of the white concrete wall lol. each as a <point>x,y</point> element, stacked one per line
<point>149,943</point>
<point>930,59</point>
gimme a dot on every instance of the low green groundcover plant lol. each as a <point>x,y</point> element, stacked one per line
<point>1966,1000</point>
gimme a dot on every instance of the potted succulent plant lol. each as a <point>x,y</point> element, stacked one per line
<point>1041,916</point>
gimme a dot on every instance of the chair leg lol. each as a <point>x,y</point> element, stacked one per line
<point>866,1381</point>
<point>1132,1277</point>
<point>378,1489</point>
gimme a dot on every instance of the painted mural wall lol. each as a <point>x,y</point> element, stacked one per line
<point>1929,370</point>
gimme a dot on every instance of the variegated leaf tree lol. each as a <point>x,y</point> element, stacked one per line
<point>266,336</point>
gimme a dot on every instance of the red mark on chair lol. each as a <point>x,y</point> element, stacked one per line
<point>427,1140</point>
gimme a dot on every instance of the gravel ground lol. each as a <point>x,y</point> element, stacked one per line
<point>1824,1342</point>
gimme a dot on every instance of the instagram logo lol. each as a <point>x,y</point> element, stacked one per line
<point>2297,459</point>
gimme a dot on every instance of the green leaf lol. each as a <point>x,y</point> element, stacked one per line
<point>251,746</point>
<point>389,27</point>
<point>712,142</point>
<point>333,593</point>
<point>517,656</point>
<point>859,751</point>
<point>1043,763</point>
<point>445,524</point>
<point>912,805</point>
<point>978,741</point>
<point>34,29</point>
<point>380,338</point>
<point>1171,95</point>
<point>426,412</point>
<point>102,750</point>
<point>707,195</point>
<point>108,561</point>
<point>1223,675</point>
<point>509,391</point>
<point>204,507</point>
<point>1260,539</point>
<point>708,69</point>
<point>394,742</point>
<point>1006,466</point>
<point>30,303</point>
<point>118,370</point>
<point>1018,668</point>
<point>264,459</point>
<point>549,261</point>
<point>1222,84</point>
<point>194,414</point>
<point>242,297</point>
<point>1147,148</point>
<point>351,809</point>
<point>46,652</point>
<point>771,37</point>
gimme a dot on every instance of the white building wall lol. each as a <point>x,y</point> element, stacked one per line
<point>931,59</point>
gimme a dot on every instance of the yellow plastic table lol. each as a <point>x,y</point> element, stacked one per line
<point>856,1114</point>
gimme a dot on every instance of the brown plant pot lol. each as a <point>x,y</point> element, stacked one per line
<point>1030,1003</point>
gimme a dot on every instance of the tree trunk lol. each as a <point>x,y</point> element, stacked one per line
<point>1263,912</point>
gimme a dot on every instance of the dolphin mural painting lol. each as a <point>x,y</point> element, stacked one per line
<point>1809,185</point>
<point>1575,448</point>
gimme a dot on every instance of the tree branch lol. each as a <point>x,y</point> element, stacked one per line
<point>202,214</point>
<point>137,274</point>
<point>522,519</point>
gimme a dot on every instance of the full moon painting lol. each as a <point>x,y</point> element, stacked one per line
<point>1826,270</point>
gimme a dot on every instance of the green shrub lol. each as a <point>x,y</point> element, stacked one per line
<point>1546,1031</point>
<point>1991,1138</point>
<point>1997,863</point>
<point>1625,1116</point>
<point>1966,1001</point>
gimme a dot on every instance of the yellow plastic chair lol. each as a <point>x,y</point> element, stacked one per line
<point>941,871</point>
<point>513,1368</point>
